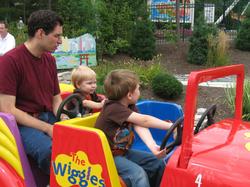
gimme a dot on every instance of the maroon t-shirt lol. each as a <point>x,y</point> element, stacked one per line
<point>32,80</point>
<point>113,122</point>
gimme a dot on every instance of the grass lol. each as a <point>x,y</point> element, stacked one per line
<point>230,99</point>
<point>218,50</point>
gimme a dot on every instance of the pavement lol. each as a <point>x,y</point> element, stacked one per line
<point>225,82</point>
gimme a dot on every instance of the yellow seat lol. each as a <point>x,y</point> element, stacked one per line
<point>83,149</point>
<point>66,87</point>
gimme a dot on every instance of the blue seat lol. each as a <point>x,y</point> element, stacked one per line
<point>161,110</point>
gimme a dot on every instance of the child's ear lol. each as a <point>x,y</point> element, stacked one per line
<point>129,95</point>
<point>77,85</point>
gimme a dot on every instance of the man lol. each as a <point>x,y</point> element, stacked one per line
<point>7,41</point>
<point>29,86</point>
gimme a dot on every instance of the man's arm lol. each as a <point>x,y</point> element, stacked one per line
<point>7,105</point>
<point>56,103</point>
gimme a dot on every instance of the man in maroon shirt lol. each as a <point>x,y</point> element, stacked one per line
<point>29,86</point>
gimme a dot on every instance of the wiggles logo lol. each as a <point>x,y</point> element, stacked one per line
<point>75,169</point>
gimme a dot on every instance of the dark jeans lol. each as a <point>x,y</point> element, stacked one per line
<point>37,144</point>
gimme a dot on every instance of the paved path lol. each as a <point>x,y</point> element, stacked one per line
<point>224,82</point>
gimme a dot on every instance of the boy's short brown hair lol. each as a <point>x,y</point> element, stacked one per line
<point>119,83</point>
<point>80,74</point>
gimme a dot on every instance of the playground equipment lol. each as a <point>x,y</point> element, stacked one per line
<point>215,156</point>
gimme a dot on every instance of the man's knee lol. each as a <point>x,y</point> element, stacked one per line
<point>44,160</point>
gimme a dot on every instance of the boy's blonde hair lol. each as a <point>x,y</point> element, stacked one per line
<point>80,74</point>
<point>119,83</point>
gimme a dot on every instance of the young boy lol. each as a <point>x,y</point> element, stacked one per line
<point>84,80</point>
<point>117,118</point>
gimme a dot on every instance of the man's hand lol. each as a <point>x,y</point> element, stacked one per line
<point>49,129</point>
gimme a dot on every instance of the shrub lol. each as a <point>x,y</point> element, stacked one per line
<point>20,34</point>
<point>143,41</point>
<point>243,35</point>
<point>77,16</point>
<point>170,33</point>
<point>198,48</point>
<point>146,72</point>
<point>166,86</point>
<point>230,99</point>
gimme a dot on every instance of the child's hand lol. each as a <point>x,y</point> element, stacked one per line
<point>102,102</point>
<point>175,133</point>
<point>175,130</point>
<point>157,152</point>
<point>64,117</point>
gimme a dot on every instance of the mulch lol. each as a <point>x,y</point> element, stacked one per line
<point>174,59</point>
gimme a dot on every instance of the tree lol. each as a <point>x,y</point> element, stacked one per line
<point>143,40</point>
<point>243,35</point>
<point>198,48</point>
<point>78,16</point>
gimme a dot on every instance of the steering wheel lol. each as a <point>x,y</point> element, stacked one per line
<point>178,124</point>
<point>209,113</point>
<point>77,108</point>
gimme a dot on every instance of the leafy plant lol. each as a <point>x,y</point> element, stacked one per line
<point>230,99</point>
<point>169,32</point>
<point>146,72</point>
<point>198,48</point>
<point>19,34</point>
<point>143,41</point>
<point>166,86</point>
<point>243,35</point>
<point>78,17</point>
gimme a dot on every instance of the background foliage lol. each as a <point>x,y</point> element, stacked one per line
<point>230,99</point>
<point>166,86</point>
<point>243,36</point>
<point>146,72</point>
<point>111,22</point>
<point>198,49</point>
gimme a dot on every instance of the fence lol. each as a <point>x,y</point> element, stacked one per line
<point>227,14</point>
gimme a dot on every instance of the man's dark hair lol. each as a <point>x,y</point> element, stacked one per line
<point>43,19</point>
<point>5,23</point>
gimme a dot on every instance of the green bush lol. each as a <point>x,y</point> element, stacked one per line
<point>146,72</point>
<point>198,48</point>
<point>78,17</point>
<point>20,34</point>
<point>166,86</point>
<point>243,35</point>
<point>170,33</point>
<point>230,99</point>
<point>143,41</point>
